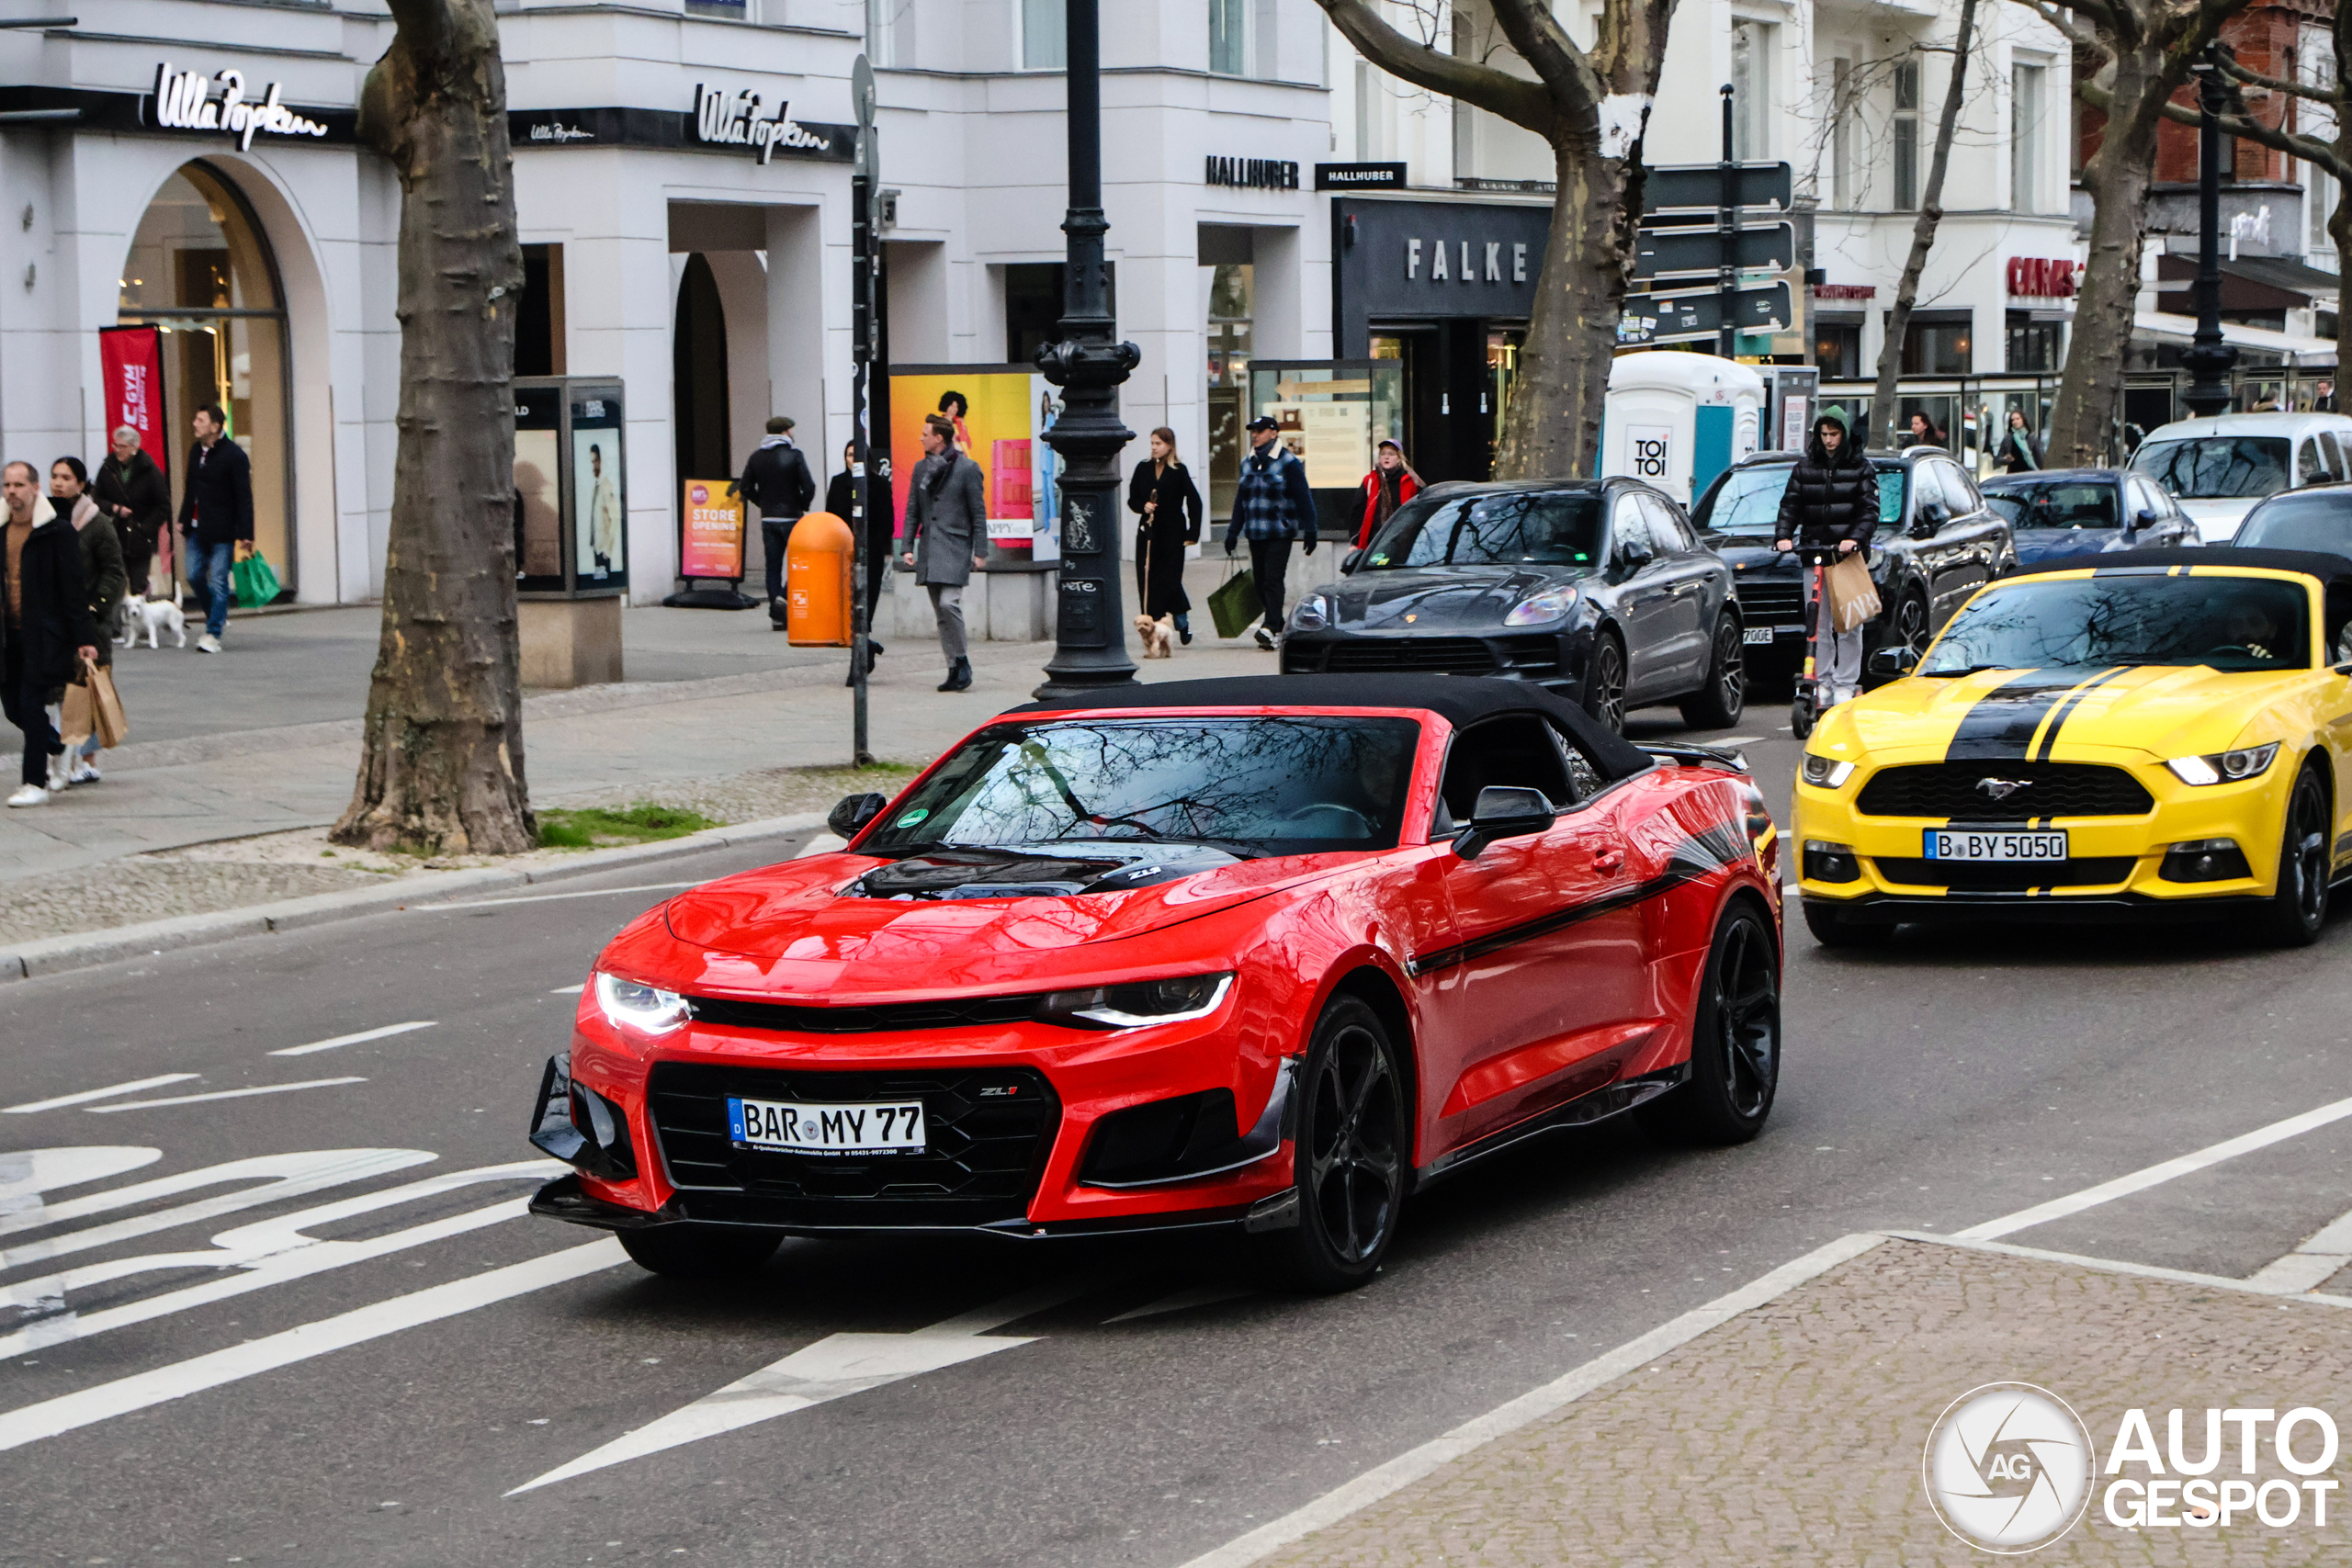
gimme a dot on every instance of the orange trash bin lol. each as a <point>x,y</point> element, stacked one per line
<point>818,561</point>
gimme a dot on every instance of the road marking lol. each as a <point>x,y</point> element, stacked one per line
<point>822,844</point>
<point>133,1086</point>
<point>280,1176</point>
<point>25,1176</point>
<point>569,990</point>
<point>551,898</point>
<point>833,1368</point>
<point>218,1094</point>
<point>67,1412</point>
<point>1199,1296</point>
<point>389,1030</point>
<point>2315,1260</point>
<point>2157,1175</point>
<point>1385,1479</point>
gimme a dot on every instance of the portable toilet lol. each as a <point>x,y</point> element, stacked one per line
<point>1677,420</point>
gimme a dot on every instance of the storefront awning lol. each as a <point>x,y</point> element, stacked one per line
<point>2158,326</point>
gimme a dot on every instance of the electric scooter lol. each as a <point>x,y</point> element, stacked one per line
<point>1806,708</point>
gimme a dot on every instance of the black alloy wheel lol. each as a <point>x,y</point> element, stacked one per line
<point>1349,1155</point>
<point>2299,908</point>
<point>1604,683</point>
<point>1719,702</point>
<point>1735,1039</point>
<point>1909,628</point>
<point>698,1252</point>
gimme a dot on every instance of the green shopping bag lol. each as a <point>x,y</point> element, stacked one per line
<point>1234,603</point>
<point>254,582</point>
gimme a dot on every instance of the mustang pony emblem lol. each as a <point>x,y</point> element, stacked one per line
<point>2001,789</point>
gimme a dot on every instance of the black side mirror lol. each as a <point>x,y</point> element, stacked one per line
<point>1504,812</point>
<point>854,812</point>
<point>1893,663</point>
<point>1348,562</point>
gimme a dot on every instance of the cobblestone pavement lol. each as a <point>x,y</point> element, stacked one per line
<point>1794,1432</point>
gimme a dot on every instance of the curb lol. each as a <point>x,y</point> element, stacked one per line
<point>56,955</point>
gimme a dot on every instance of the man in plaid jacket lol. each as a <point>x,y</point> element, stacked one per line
<point>1271,507</point>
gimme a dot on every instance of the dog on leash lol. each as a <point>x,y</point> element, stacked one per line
<point>153,616</point>
<point>1159,636</point>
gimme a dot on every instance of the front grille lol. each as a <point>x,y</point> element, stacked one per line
<point>1423,655</point>
<point>1769,603</point>
<point>2006,876</point>
<point>1947,791</point>
<point>892,1017</point>
<point>985,1156</point>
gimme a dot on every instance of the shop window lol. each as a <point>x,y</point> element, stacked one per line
<point>1751,85</point>
<point>1044,35</point>
<point>2034,346</point>
<point>1838,350</point>
<point>1231,318</point>
<point>538,317</point>
<point>1934,347</point>
<point>1907,136</point>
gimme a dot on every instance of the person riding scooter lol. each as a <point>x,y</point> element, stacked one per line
<point>1829,510</point>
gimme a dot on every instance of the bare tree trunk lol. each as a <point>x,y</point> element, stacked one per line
<point>1923,238</point>
<point>2082,425</point>
<point>441,768</point>
<point>1553,427</point>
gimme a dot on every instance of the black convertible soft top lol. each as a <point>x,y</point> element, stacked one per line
<point>2334,571</point>
<point>1461,700</point>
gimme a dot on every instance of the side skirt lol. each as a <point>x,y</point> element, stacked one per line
<point>1612,1100</point>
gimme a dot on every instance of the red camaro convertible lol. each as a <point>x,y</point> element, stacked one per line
<point>1265,953</point>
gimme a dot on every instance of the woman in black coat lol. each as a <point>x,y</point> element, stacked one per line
<point>49,633</point>
<point>1167,508</point>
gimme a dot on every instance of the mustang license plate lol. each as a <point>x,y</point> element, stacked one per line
<point>791,1127</point>
<point>1954,843</point>
<point>1758,634</point>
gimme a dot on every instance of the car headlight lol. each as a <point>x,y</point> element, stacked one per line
<point>649,1010</point>
<point>1144,1002</point>
<point>1312,615</point>
<point>2224,767</point>
<point>1826,772</point>
<point>1542,609</point>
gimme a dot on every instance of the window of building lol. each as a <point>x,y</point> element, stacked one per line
<point>1225,252</point>
<point>1935,346</point>
<point>2319,199</point>
<point>1838,349</point>
<point>1044,35</point>
<point>1907,136</point>
<point>2025,138</point>
<point>1229,37</point>
<point>1842,194</point>
<point>2034,346</point>
<point>1751,89</point>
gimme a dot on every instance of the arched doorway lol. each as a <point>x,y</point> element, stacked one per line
<point>202,269</point>
<point>698,348</point>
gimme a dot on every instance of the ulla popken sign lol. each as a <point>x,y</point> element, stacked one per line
<point>184,101</point>
<point>733,119</point>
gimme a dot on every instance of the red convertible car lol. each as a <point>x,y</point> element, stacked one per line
<point>1265,953</point>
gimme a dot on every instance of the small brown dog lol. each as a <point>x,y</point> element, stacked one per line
<point>1159,636</point>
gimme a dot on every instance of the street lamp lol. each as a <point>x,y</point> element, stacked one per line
<point>2209,359</point>
<point>1088,364</point>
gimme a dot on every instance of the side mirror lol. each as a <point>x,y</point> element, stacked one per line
<point>1893,663</point>
<point>1635,554</point>
<point>854,812</point>
<point>1348,562</point>
<point>1504,812</point>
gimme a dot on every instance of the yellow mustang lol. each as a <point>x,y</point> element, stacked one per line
<point>2158,732</point>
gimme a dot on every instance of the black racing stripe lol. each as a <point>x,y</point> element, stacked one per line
<point>2000,727</point>
<point>1696,857</point>
<point>2067,711</point>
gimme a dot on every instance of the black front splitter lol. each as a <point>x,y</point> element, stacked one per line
<point>2119,908</point>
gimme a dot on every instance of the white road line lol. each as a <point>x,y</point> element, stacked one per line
<point>133,1086</point>
<point>822,844</point>
<point>220,1094</point>
<point>833,1368</point>
<point>279,1176</point>
<point>1533,1405</point>
<point>67,1412</point>
<point>28,1173</point>
<point>2157,1175</point>
<point>1199,1296</point>
<point>551,898</point>
<point>569,990</point>
<point>387,1031</point>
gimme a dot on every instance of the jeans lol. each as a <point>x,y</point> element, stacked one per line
<point>947,603</point>
<point>1269,564</point>
<point>26,707</point>
<point>207,569</point>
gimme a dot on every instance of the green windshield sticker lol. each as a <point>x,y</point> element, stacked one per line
<point>911,817</point>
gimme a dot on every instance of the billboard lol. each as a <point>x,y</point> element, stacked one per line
<point>1001,413</point>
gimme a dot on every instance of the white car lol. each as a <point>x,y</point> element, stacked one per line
<point>2219,468</point>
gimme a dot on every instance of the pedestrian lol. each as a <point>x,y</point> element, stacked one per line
<point>1390,485</point>
<point>1272,506</point>
<point>777,481</point>
<point>1166,505</point>
<point>841,500</point>
<point>2017,453</point>
<point>946,520</point>
<point>216,518</point>
<point>2323,397</point>
<point>46,632</point>
<point>1831,503</point>
<point>1924,431</point>
<point>131,490</point>
<point>102,580</point>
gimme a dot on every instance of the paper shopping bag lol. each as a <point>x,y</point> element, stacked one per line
<point>1853,597</point>
<point>106,706</point>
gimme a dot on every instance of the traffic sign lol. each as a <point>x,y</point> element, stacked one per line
<point>1663,254</point>
<point>1701,184</point>
<point>1676,318</point>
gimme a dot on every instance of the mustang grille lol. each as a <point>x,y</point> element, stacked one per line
<point>1949,791</point>
<point>2006,876</point>
<point>892,1017</point>
<point>1769,603</point>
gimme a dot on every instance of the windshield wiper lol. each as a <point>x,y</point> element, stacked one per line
<point>1956,674</point>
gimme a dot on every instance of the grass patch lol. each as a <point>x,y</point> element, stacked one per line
<point>596,828</point>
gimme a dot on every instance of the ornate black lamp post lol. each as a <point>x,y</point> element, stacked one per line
<point>1088,364</point>
<point>2208,359</point>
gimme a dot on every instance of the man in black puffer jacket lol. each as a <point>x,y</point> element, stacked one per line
<point>1831,504</point>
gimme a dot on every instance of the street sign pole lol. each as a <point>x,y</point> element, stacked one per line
<point>1727,240</point>
<point>861,234</point>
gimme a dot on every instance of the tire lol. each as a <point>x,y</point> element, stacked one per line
<point>1604,683</point>
<point>1350,1154</point>
<point>1801,715</point>
<point>696,1252</point>
<point>1735,1039</point>
<point>1719,702</point>
<point>1907,628</point>
<point>2298,910</point>
<point>1835,928</point>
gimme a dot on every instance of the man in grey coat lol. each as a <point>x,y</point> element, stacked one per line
<point>947,511</point>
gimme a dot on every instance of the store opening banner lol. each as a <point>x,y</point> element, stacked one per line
<point>713,546</point>
<point>130,362</point>
<point>1001,413</point>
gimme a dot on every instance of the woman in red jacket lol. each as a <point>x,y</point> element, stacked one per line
<point>1390,485</point>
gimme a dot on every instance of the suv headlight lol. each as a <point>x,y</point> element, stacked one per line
<point>1312,613</point>
<point>1144,1002</point>
<point>2224,767</point>
<point>1542,609</point>
<point>1826,772</point>
<point>649,1010</point>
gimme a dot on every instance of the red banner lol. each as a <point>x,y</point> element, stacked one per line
<point>130,363</point>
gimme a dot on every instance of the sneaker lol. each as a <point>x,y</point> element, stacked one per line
<point>60,773</point>
<point>207,643</point>
<point>31,795</point>
<point>1265,640</point>
<point>84,772</point>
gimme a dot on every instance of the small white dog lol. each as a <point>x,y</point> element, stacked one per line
<point>153,616</point>
<point>1159,636</point>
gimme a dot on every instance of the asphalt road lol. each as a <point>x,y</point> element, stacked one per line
<point>1076,1402</point>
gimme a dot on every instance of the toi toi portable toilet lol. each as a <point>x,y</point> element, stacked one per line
<point>818,570</point>
<point>1677,420</point>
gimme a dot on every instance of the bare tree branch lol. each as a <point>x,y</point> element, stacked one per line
<point>1539,40</point>
<point>1514,98</point>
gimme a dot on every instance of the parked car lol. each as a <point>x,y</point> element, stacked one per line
<point>1937,543</point>
<point>2316,519</point>
<point>2219,468</point>
<point>2061,512</point>
<point>1595,588</point>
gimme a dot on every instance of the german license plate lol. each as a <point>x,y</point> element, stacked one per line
<point>1995,845</point>
<point>791,1127</point>
<point>1758,634</point>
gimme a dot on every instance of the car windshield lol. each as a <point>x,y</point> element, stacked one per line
<point>2217,467</point>
<point>1491,528</point>
<point>2317,522</point>
<point>1748,501</point>
<point>1273,786</point>
<point>2228,622</point>
<point>2055,503</point>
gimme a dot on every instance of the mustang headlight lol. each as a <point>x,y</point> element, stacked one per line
<point>649,1010</point>
<point>1826,772</point>
<point>1314,612</point>
<point>1542,609</point>
<point>1134,1006</point>
<point>2224,767</point>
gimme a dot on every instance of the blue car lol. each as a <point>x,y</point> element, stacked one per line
<point>2061,512</point>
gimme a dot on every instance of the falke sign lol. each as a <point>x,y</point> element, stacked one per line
<point>2032,277</point>
<point>186,101</point>
<point>733,119</point>
<point>1416,260</point>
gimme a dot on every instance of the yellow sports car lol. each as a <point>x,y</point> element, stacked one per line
<point>2163,733</point>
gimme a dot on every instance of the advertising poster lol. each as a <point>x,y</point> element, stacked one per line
<point>998,410</point>
<point>599,518</point>
<point>538,489</point>
<point>1333,439</point>
<point>714,542</point>
<point>130,360</point>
